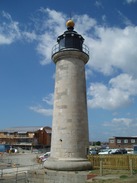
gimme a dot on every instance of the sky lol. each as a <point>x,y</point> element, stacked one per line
<point>29,30</point>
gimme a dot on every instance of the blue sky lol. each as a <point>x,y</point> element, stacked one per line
<point>28,31</point>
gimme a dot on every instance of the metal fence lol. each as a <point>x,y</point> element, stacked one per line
<point>17,174</point>
<point>12,172</point>
<point>19,177</point>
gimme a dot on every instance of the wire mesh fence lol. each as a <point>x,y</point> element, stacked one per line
<point>13,171</point>
<point>20,177</point>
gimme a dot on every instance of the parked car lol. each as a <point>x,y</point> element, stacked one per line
<point>105,151</point>
<point>92,151</point>
<point>113,151</point>
<point>120,151</point>
<point>13,150</point>
<point>44,157</point>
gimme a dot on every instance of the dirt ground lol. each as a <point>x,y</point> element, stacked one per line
<point>114,176</point>
<point>127,180</point>
<point>108,176</point>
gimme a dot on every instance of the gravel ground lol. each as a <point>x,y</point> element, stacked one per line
<point>23,159</point>
<point>14,167</point>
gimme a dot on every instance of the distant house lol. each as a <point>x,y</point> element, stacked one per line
<point>26,137</point>
<point>43,136</point>
<point>122,142</point>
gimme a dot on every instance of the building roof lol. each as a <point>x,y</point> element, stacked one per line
<point>120,137</point>
<point>25,129</point>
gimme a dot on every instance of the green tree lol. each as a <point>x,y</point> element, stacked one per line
<point>98,143</point>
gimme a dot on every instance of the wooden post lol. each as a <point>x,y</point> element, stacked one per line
<point>131,166</point>
<point>1,173</point>
<point>101,168</point>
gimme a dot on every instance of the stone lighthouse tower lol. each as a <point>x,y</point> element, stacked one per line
<point>70,122</point>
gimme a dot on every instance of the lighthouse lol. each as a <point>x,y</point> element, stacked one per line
<point>70,138</point>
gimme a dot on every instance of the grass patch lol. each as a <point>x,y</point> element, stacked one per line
<point>123,176</point>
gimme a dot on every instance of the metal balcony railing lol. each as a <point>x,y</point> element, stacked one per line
<point>56,49</point>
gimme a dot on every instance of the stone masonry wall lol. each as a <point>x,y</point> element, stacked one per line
<point>48,176</point>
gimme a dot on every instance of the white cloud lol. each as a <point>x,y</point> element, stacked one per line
<point>107,98</point>
<point>125,83</point>
<point>114,49</point>
<point>29,36</point>
<point>105,56</point>
<point>125,20</point>
<point>9,29</point>
<point>131,1</point>
<point>84,24</point>
<point>104,18</point>
<point>48,30</point>
<point>119,93</point>
<point>41,110</point>
<point>98,4</point>
<point>44,110</point>
<point>55,21</point>
<point>121,127</point>
<point>111,49</point>
<point>5,40</point>
<point>120,122</point>
<point>44,48</point>
<point>52,26</point>
<point>49,99</point>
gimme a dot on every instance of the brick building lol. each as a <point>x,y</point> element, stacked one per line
<point>122,142</point>
<point>43,136</point>
<point>26,137</point>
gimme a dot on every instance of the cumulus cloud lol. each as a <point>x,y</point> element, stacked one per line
<point>105,56</point>
<point>84,24</point>
<point>52,25</point>
<point>44,48</point>
<point>125,83</point>
<point>119,93</point>
<point>50,28</point>
<point>121,127</point>
<point>111,49</point>
<point>114,49</point>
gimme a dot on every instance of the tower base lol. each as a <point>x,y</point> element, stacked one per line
<point>50,176</point>
<point>68,165</point>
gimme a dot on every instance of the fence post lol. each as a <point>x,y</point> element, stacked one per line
<point>101,167</point>
<point>131,166</point>
<point>1,173</point>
